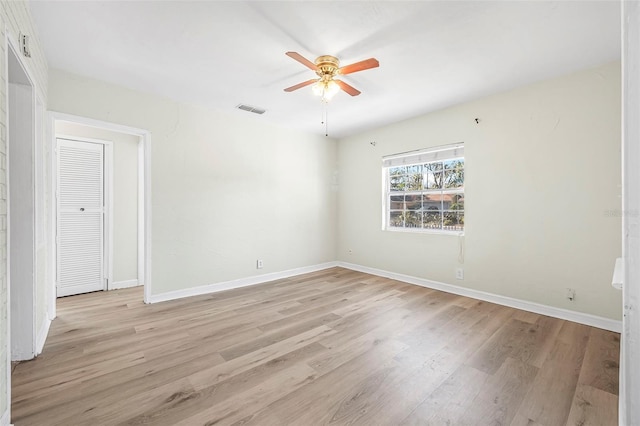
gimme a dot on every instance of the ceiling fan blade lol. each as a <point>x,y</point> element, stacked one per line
<point>304,61</point>
<point>347,88</point>
<point>300,85</point>
<point>359,66</point>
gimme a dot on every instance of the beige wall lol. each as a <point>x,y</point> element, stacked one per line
<point>227,189</point>
<point>542,194</point>
<point>539,218</point>
<point>15,18</point>
<point>125,195</point>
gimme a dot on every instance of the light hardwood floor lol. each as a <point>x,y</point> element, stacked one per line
<point>333,347</point>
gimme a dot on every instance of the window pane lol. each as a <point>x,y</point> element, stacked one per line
<point>449,219</point>
<point>415,169</point>
<point>413,219</point>
<point>413,202</point>
<point>432,202</point>
<point>414,182</point>
<point>431,220</point>
<point>454,178</point>
<point>396,219</point>
<point>433,167</point>
<point>457,202</point>
<point>453,221</point>
<point>454,164</point>
<point>396,202</point>
<point>397,183</point>
<point>397,171</point>
<point>433,180</point>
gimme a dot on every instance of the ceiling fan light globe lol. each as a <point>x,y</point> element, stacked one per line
<point>326,89</point>
<point>318,88</point>
<point>331,89</point>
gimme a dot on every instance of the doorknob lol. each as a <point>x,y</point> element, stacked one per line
<point>81,209</point>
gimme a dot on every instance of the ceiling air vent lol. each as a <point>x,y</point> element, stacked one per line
<point>251,109</point>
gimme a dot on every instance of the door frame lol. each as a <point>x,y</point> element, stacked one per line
<point>107,231</point>
<point>27,343</point>
<point>144,191</point>
<point>628,401</point>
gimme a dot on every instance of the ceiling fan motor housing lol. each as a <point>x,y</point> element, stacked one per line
<point>327,65</point>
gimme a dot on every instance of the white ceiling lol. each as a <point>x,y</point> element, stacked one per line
<point>432,54</point>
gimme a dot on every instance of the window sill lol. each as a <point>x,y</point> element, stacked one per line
<point>425,231</point>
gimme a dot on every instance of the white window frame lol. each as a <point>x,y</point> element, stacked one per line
<point>424,156</point>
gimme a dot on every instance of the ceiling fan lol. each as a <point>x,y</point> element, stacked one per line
<point>327,68</point>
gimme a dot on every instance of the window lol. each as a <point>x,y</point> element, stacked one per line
<point>424,190</point>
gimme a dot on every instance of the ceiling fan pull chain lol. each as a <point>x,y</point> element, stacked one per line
<point>326,119</point>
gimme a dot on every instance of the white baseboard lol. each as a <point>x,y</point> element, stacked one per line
<point>42,335</point>
<point>241,282</point>
<point>4,420</point>
<point>565,314</point>
<point>117,285</point>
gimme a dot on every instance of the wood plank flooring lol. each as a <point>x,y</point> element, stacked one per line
<point>334,347</point>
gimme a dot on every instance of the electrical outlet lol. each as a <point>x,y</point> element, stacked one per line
<point>259,264</point>
<point>571,294</point>
<point>350,251</point>
<point>459,274</point>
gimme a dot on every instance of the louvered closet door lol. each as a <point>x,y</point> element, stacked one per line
<point>80,233</point>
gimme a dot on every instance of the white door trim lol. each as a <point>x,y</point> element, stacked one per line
<point>11,46</point>
<point>28,341</point>
<point>6,416</point>
<point>629,399</point>
<point>144,188</point>
<point>141,221</point>
<point>108,202</point>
